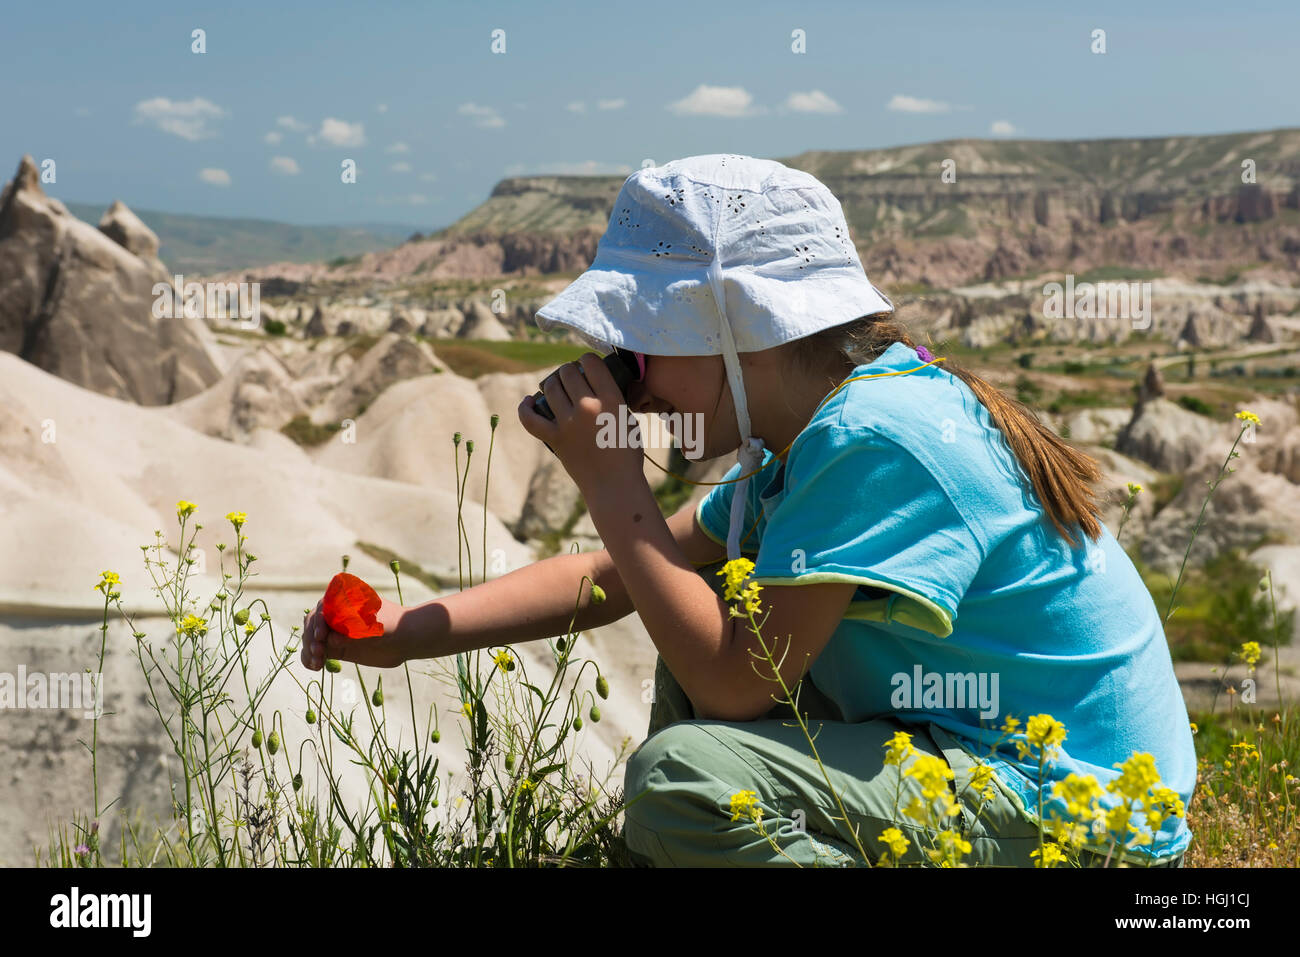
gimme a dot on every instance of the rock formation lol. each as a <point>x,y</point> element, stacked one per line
<point>79,302</point>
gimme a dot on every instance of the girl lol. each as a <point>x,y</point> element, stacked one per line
<point>951,577</point>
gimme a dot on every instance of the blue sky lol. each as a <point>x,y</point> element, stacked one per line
<point>260,123</point>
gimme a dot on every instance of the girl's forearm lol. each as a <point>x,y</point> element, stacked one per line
<point>533,602</point>
<point>689,625</point>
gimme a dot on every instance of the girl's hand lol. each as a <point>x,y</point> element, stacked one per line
<point>585,400</point>
<point>319,641</point>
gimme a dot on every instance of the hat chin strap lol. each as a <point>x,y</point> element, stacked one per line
<point>750,454</point>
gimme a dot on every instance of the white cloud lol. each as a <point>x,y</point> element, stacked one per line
<point>428,177</point>
<point>707,100</point>
<point>580,168</point>
<point>398,147</point>
<point>914,104</point>
<point>289,123</point>
<point>285,164</point>
<point>401,167</point>
<point>1001,128</point>
<point>339,133</point>
<point>484,116</point>
<point>577,106</point>
<point>381,108</point>
<point>272,137</point>
<point>215,177</point>
<point>814,101</point>
<point>187,119</point>
<point>611,104</point>
<point>83,111</point>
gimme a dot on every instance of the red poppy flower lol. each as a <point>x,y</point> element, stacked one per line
<point>350,607</point>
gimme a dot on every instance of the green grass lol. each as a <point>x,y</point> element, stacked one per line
<point>384,556</point>
<point>307,433</point>
<point>1194,404</point>
<point>472,358</point>
<point>1219,607</point>
<point>1118,274</point>
<point>1085,399</point>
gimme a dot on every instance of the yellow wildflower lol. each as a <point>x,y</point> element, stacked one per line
<point>1118,819</point>
<point>1137,776</point>
<point>1134,487</point>
<point>1248,416</point>
<point>981,780</point>
<point>527,784</point>
<point>185,509</point>
<point>1080,794</point>
<point>1010,725</point>
<point>894,839</point>
<point>193,624</point>
<point>468,708</point>
<point>107,581</point>
<point>1247,747</point>
<point>736,570</point>
<point>932,773</point>
<point>1194,728</point>
<point>237,519</point>
<point>951,848</point>
<point>1045,732</point>
<point>503,660</point>
<point>918,811</point>
<point>1164,802</point>
<point>1250,653</point>
<point>898,748</point>
<point>1051,856</point>
<point>1068,833</point>
<point>745,804</point>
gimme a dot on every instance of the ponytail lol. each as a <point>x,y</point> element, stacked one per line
<point>1062,476</point>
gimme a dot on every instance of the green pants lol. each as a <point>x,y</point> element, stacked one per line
<point>680,781</point>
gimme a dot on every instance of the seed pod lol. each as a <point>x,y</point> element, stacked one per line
<point>494,420</point>
<point>559,644</point>
<point>311,716</point>
<point>241,616</point>
<point>257,739</point>
<point>435,736</point>
<point>510,762</point>
<point>377,698</point>
<point>395,565</point>
<point>392,774</point>
<point>333,666</point>
<point>602,686</point>
<point>273,742</point>
<point>297,782</point>
<point>435,802</point>
<point>594,713</point>
<point>577,722</point>
<point>597,594</point>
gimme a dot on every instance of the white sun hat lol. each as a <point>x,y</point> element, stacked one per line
<point>718,254</point>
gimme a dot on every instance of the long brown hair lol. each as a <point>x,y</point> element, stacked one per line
<point>1062,476</point>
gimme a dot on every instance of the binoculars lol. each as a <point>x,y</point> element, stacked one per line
<point>625,366</point>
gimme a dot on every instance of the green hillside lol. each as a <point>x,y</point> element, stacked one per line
<point>209,244</point>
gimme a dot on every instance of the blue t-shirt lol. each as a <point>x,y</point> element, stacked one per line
<point>971,607</point>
